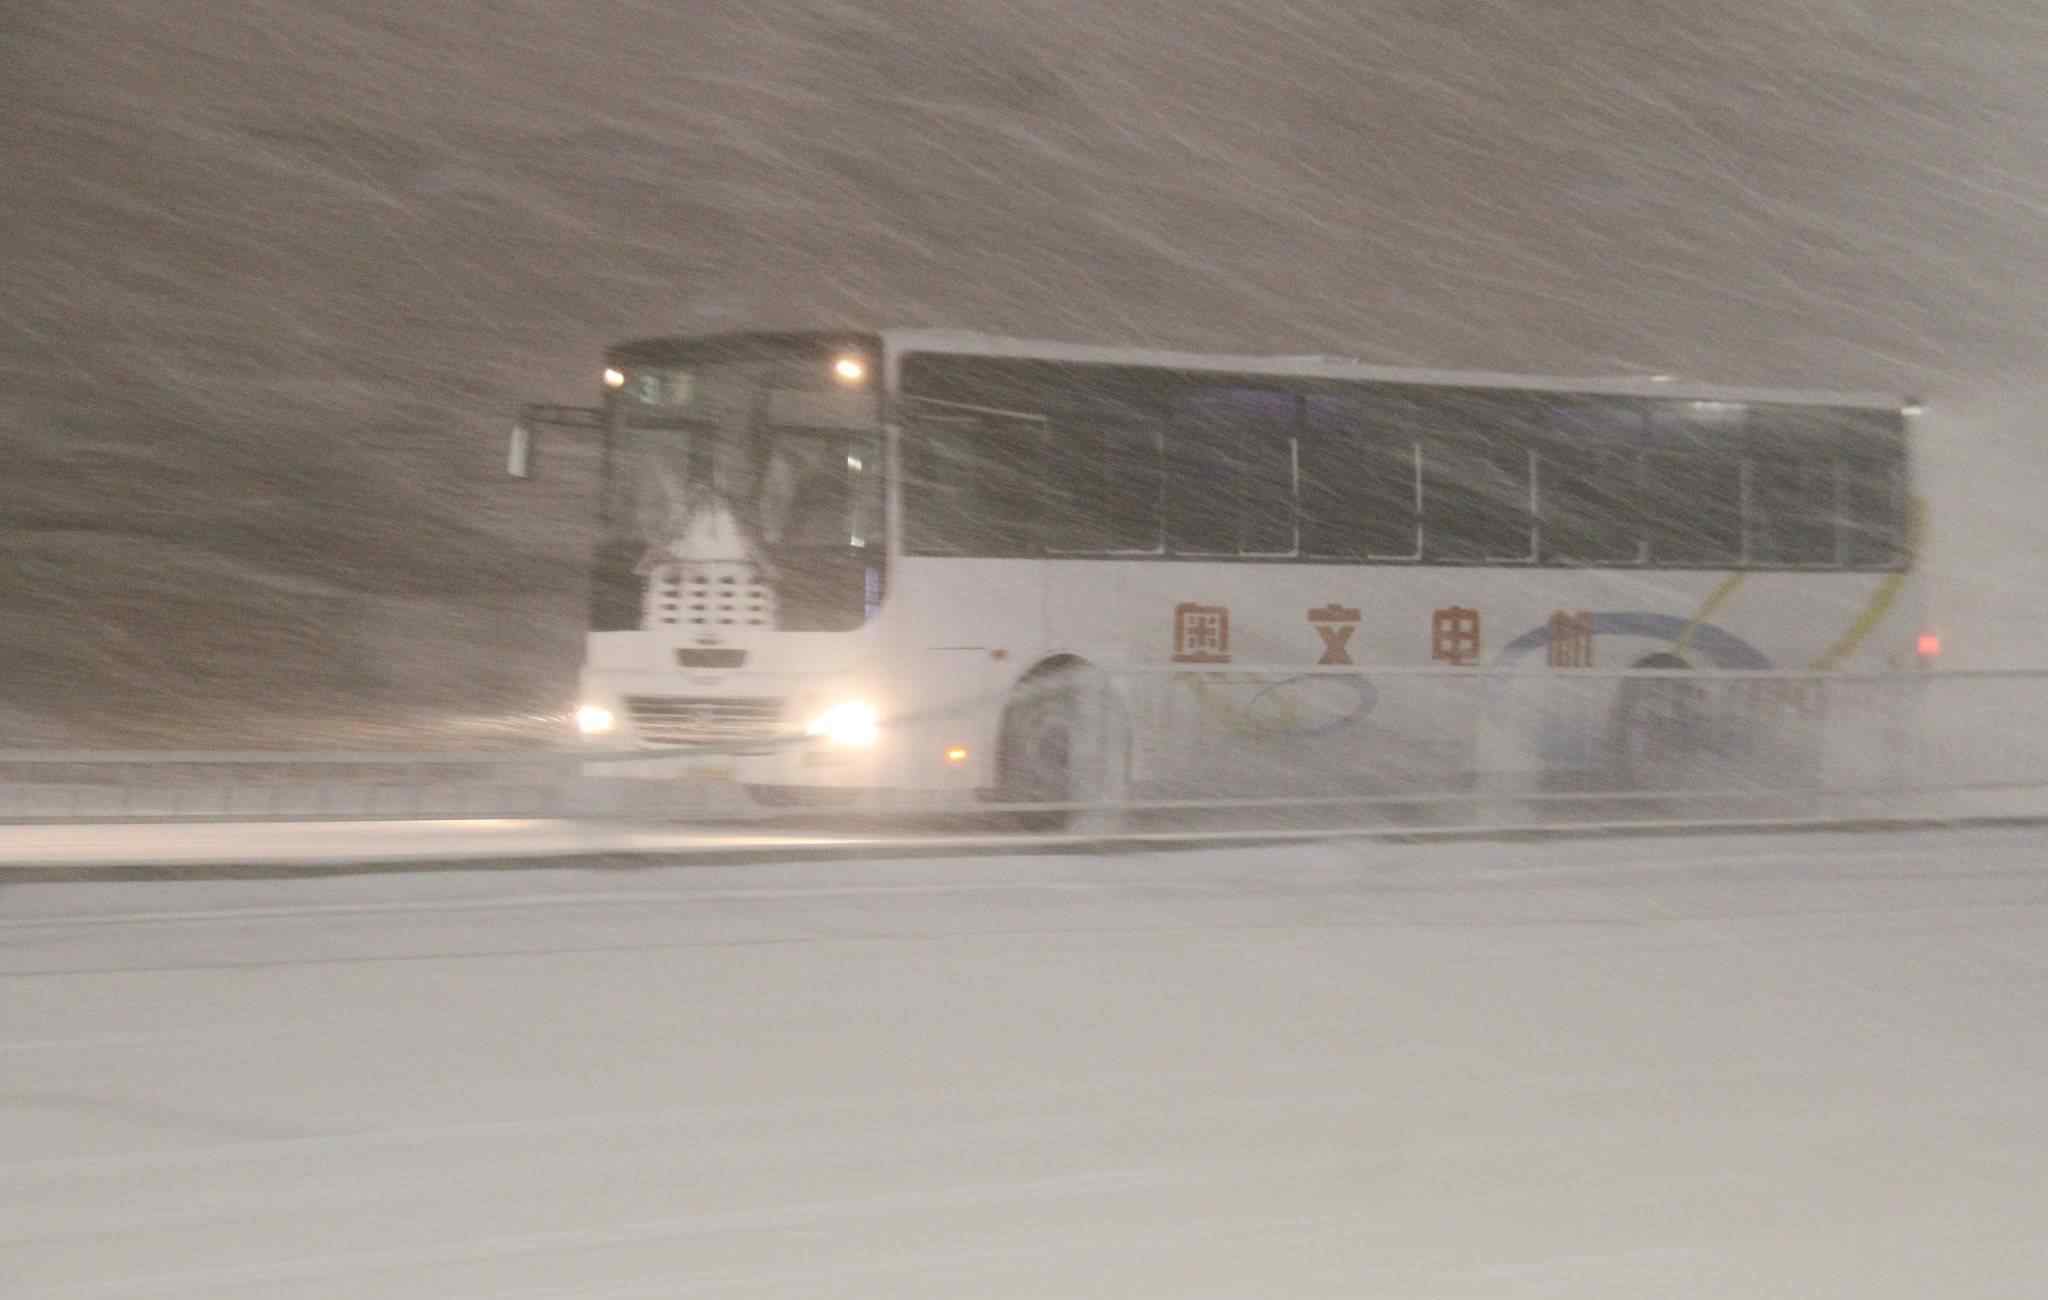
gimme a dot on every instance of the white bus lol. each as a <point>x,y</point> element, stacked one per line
<point>920,561</point>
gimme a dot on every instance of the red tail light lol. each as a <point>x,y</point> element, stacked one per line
<point>1930,645</point>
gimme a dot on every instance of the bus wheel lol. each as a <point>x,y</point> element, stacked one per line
<point>1063,741</point>
<point>1659,732</point>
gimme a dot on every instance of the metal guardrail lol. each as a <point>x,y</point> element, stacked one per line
<point>227,785</point>
<point>1267,741</point>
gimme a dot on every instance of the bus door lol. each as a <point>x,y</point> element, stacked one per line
<point>972,504</point>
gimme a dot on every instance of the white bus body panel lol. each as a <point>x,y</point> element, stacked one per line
<point>954,636</point>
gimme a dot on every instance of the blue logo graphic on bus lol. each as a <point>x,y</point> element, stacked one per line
<point>1720,647</point>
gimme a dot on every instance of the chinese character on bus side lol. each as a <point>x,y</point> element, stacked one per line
<point>1334,624</point>
<point>1201,634</point>
<point>1454,635</point>
<point>1571,639</point>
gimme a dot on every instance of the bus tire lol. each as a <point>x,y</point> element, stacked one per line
<point>1657,737</point>
<point>1064,739</point>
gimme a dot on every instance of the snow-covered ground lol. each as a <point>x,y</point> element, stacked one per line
<point>211,848</point>
<point>1767,1066</point>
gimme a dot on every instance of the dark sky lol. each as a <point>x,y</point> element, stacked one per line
<point>1805,191</point>
<point>277,269</point>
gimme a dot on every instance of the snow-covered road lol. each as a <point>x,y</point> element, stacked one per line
<point>1761,1066</point>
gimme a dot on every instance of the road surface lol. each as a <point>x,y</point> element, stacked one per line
<point>1748,1066</point>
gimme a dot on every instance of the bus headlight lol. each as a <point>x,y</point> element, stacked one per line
<point>852,723</point>
<point>594,719</point>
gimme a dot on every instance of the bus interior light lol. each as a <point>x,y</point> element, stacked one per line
<point>956,754</point>
<point>849,370</point>
<point>614,378</point>
<point>594,719</point>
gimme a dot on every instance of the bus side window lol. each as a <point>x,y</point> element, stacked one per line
<point>1230,471</point>
<point>1793,509</point>
<point>1692,483</point>
<point>1102,489</point>
<point>1795,486</point>
<point>1875,504</point>
<point>971,486</point>
<point>1476,474</point>
<point>1105,476</point>
<point>1588,496</point>
<point>1874,523</point>
<point>1134,500</point>
<point>1071,519</point>
<point>1588,481</point>
<point>1359,484</point>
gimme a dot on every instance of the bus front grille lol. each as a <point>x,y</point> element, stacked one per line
<point>700,720</point>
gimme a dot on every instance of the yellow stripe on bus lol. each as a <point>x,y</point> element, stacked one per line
<point>1882,599</point>
<point>1880,603</point>
<point>1715,599</point>
<point>1873,613</point>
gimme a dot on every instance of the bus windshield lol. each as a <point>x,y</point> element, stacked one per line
<point>774,463</point>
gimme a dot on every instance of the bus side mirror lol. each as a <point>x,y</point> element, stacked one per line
<point>522,456</point>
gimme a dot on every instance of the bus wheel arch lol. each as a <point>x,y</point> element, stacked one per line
<point>1064,737</point>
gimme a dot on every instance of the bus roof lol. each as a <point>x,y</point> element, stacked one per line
<point>670,349</point>
<point>966,343</point>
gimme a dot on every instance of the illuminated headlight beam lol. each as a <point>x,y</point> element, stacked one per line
<point>853,724</point>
